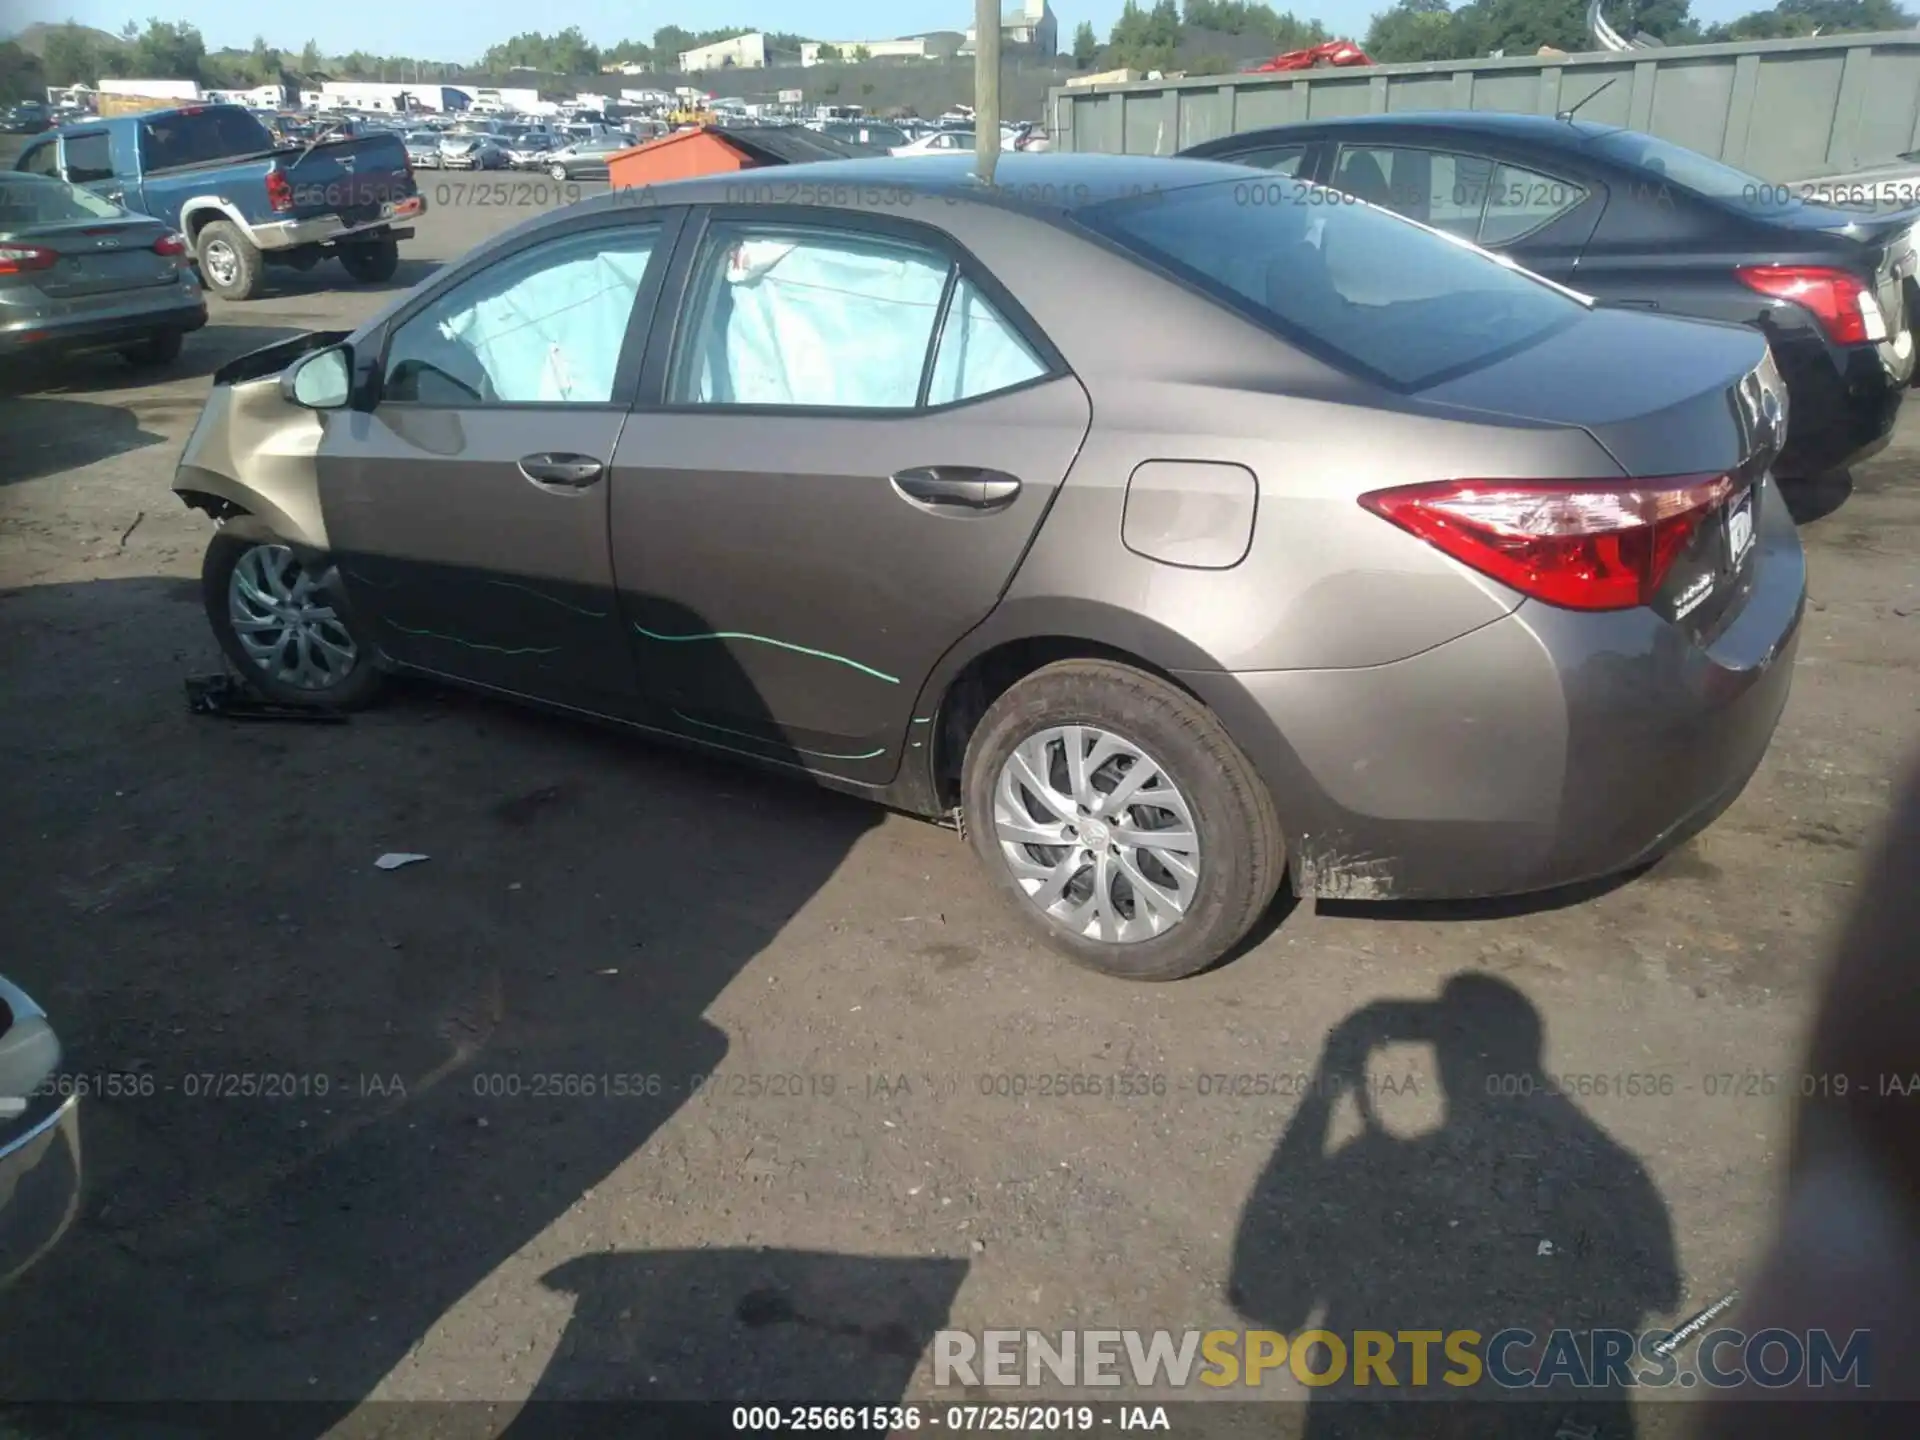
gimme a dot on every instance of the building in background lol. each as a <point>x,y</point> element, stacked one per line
<point>152,89</point>
<point>374,95</point>
<point>260,97</point>
<point>1032,24</point>
<point>747,52</point>
<point>914,48</point>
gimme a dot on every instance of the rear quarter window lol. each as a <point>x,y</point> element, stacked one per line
<point>1354,285</point>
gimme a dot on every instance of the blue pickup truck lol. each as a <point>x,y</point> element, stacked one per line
<point>243,200</point>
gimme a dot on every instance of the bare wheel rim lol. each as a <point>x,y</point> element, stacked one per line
<point>223,266</point>
<point>1097,834</point>
<point>285,623</point>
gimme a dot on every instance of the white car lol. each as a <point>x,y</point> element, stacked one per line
<point>938,142</point>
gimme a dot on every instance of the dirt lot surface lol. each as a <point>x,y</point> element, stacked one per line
<point>363,1165</point>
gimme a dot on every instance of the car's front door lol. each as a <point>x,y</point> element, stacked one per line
<point>858,434</point>
<point>467,507</point>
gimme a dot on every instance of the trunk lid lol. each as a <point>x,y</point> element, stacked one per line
<point>1662,394</point>
<point>1665,397</point>
<point>97,256</point>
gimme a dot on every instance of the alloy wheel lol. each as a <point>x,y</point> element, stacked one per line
<point>285,623</point>
<point>222,265</point>
<point>1097,834</point>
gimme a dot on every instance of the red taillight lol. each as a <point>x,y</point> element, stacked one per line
<point>1579,544</point>
<point>1843,303</point>
<point>175,244</point>
<point>21,259</point>
<point>279,190</point>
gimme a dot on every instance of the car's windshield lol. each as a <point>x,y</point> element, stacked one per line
<point>1354,285</point>
<point>41,200</point>
<point>1690,170</point>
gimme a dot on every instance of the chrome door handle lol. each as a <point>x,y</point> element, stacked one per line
<point>966,486</point>
<point>575,472</point>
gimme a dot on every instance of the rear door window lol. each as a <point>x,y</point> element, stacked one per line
<point>89,158</point>
<point>1520,202</point>
<point>199,137</point>
<point>1281,159</point>
<point>1442,188</point>
<point>805,318</point>
<point>1357,287</point>
<point>43,161</point>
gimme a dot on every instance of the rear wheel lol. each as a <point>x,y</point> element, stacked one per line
<point>230,263</point>
<point>282,626</point>
<point>1120,820</point>
<point>160,348</point>
<point>372,262</point>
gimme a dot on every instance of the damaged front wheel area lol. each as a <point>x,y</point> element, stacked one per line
<point>283,627</point>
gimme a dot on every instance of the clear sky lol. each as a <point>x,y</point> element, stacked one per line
<point>437,30</point>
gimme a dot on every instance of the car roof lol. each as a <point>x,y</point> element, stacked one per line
<point>1040,185</point>
<point>1548,129</point>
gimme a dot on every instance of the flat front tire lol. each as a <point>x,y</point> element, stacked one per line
<point>1117,816</point>
<point>283,627</point>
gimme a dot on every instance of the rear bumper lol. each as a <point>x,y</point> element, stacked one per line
<point>1544,749</point>
<point>326,229</point>
<point>1842,405</point>
<point>180,307</point>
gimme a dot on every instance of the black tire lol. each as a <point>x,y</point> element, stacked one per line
<point>160,348</point>
<point>1243,853</point>
<point>220,239</point>
<point>371,262</point>
<point>558,172</point>
<point>356,689</point>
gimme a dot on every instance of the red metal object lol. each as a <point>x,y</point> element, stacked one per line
<point>1334,52</point>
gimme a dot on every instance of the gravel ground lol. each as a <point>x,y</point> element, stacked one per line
<point>419,1203</point>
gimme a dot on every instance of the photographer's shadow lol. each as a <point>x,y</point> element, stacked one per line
<point>1517,1212</point>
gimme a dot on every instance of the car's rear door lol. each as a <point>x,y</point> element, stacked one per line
<point>467,506</point>
<point>857,433</point>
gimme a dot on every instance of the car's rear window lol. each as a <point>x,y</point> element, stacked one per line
<point>1359,287</point>
<point>32,200</point>
<point>198,137</point>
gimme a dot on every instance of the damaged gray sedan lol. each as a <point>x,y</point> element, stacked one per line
<point>1174,530</point>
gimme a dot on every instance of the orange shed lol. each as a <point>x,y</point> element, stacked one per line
<point>723,149</point>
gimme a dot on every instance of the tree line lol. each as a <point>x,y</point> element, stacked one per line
<point>74,54</point>
<point>1196,37</point>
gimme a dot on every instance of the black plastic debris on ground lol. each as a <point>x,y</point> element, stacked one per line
<point>230,698</point>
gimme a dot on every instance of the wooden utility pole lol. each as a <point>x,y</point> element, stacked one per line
<point>986,85</point>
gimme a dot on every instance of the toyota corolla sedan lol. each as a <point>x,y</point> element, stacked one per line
<point>1170,547</point>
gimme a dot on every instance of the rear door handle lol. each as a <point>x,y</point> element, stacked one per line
<point>962,486</point>
<point>575,472</point>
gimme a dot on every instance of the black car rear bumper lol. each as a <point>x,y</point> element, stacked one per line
<point>105,332</point>
<point>1842,405</point>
